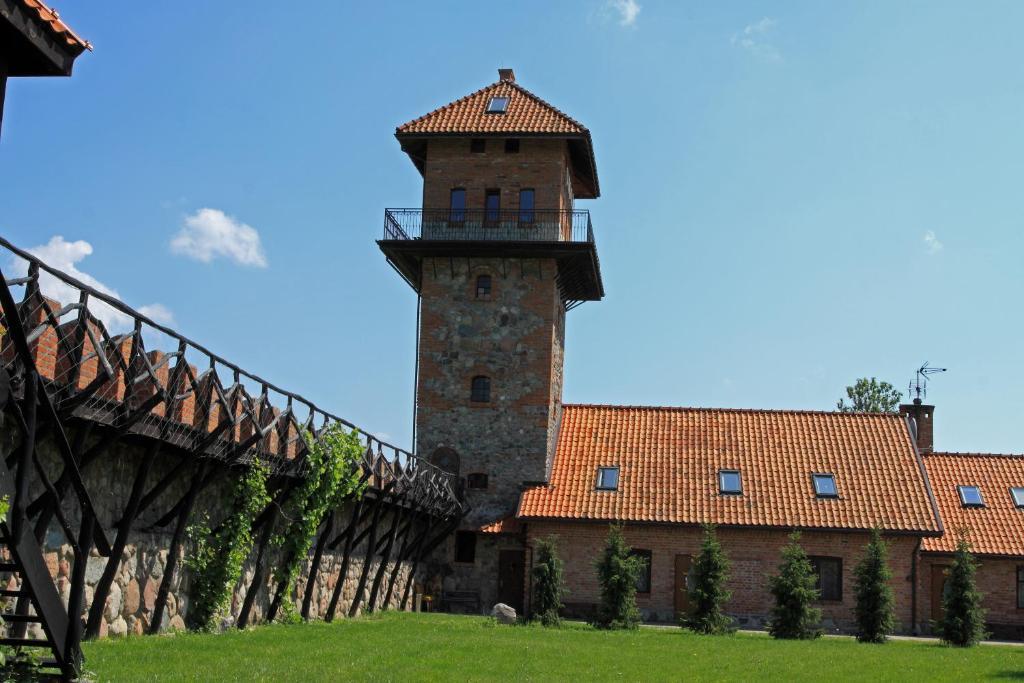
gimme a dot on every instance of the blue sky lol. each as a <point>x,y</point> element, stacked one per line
<point>795,194</point>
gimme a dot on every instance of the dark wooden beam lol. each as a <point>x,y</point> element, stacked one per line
<point>378,507</point>
<point>314,568</point>
<point>346,555</point>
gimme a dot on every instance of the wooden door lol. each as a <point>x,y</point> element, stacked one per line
<point>682,599</point>
<point>511,566</point>
<point>939,575</point>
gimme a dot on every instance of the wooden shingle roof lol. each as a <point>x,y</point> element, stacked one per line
<point>669,460</point>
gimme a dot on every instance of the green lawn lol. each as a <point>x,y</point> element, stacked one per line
<point>435,647</point>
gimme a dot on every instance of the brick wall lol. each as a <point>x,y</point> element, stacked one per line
<point>754,554</point>
<point>997,580</point>
<point>541,165</point>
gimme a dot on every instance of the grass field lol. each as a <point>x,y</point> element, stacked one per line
<point>435,647</point>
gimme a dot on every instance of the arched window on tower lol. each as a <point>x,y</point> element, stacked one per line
<point>446,458</point>
<point>483,286</point>
<point>480,389</point>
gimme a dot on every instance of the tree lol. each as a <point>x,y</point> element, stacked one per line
<point>870,396</point>
<point>874,603</point>
<point>707,594</point>
<point>617,572</point>
<point>793,615</point>
<point>963,619</point>
<point>548,587</point>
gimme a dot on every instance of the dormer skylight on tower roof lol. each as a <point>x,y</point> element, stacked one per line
<point>970,496</point>
<point>497,105</point>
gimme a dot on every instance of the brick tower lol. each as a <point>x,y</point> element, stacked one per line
<point>497,255</point>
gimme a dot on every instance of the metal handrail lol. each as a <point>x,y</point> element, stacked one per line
<point>514,225</point>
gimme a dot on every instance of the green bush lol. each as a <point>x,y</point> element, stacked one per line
<point>793,615</point>
<point>548,587</point>
<point>963,619</point>
<point>617,573</point>
<point>217,557</point>
<point>707,594</point>
<point>874,602</point>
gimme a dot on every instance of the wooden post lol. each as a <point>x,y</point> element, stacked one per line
<point>345,557</point>
<point>367,558</point>
<point>399,513</point>
<point>314,568</point>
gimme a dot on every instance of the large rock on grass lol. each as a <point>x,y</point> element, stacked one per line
<point>504,614</point>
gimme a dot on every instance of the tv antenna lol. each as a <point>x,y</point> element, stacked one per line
<point>919,385</point>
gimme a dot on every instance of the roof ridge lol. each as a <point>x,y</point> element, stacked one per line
<point>973,454</point>
<point>783,411</point>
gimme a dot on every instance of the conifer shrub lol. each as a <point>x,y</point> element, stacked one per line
<point>617,573</point>
<point>707,594</point>
<point>963,619</point>
<point>794,616</point>
<point>873,594</point>
<point>548,587</point>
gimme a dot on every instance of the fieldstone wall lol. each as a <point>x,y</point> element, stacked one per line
<point>130,604</point>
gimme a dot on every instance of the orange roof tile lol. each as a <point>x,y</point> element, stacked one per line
<point>505,525</point>
<point>669,460</point>
<point>526,113</point>
<point>997,528</point>
<point>51,19</point>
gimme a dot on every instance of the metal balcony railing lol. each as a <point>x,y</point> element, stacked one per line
<point>519,225</point>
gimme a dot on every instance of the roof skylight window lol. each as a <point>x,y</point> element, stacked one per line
<point>607,478</point>
<point>971,497</point>
<point>497,105</point>
<point>825,486</point>
<point>730,483</point>
<point>1018,496</point>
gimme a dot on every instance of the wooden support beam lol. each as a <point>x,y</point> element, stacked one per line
<point>268,519</point>
<point>131,512</point>
<point>199,479</point>
<point>399,513</point>
<point>345,558</point>
<point>403,555</point>
<point>378,507</point>
<point>314,568</point>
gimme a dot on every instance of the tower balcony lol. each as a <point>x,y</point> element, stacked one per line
<point>411,235</point>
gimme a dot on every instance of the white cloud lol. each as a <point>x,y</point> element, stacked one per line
<point>755,39</point>
<point>65,256</point>
<point>210,233</point>
<point>158,313</point>
<point>931,243</point>
<point>626,9</point>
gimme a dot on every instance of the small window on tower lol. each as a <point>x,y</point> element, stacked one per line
<point>497,105</point>
<point>1017,493</point>
<point>483,287</point>
<point>480,389</point>
<point>465,546</point>
<point>477,480</point>
<point>512,146</point>
<point>477,145</point>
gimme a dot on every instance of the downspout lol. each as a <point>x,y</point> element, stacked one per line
<point>416,373</point>
<point>913,587</point>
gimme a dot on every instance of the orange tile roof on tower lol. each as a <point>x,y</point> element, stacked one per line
<point>996,528</point>
<point>669,461</point>
<point>50,18</point>
<point>524,114</point>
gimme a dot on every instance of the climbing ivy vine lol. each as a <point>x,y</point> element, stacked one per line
<point>332,475</point>
<point>217,556</point>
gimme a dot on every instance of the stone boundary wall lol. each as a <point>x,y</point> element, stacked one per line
<point>130,604</point>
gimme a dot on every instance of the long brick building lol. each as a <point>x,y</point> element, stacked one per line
<point>498,253</point>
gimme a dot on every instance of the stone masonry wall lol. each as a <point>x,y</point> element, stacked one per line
<point>511,338</point>
<point>754,554</point>
<point>130,604</point>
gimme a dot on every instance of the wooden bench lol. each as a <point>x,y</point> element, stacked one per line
<point>465,598</point>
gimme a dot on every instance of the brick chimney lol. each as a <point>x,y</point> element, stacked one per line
<point>920,423</point>
<point>507,75</point>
